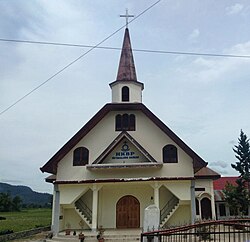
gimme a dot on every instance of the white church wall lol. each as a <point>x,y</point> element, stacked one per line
<point>153,139</point>
<point>165,195</point>
<point>72,219</point>
<point>150,137</point>
<point>70,193</point>
<point>182,216</point>
<point>135,94</point>
<point>109,195</point>
<point>181,189</point>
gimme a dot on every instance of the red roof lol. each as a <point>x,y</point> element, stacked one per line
<point>221,182</point>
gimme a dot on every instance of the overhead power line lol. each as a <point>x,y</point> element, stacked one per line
<point>117,48</point>
<point>74,61</point>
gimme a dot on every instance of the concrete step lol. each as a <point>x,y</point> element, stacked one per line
<point>91,237</point>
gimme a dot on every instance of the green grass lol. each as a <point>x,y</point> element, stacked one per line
<point>26,219</point>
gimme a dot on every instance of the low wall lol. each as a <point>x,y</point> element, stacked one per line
<point>23,234</point>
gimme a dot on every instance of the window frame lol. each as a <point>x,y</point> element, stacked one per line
<point>170,154</point>
<point>125,94</point>
<point>80,156</point>
<point>125,122</point>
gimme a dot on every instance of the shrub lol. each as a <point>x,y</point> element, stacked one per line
<point>3,232</point>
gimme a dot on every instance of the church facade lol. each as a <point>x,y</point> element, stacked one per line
<point>125,159</point>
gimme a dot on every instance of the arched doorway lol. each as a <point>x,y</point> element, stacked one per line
<point>128,212</point>
<point>206,209</point>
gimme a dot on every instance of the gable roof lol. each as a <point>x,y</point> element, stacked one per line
<point>51,165</point>
<point>221,183</point>
<point>206,173</point>
<point>116,141</point>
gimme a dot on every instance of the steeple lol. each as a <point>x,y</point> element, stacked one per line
<point>126,69</point>
<point>126,88</point>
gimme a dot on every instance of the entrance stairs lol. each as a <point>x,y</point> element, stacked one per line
<point>84,212</point>
<point>112,235</point>
<point>168,210</point>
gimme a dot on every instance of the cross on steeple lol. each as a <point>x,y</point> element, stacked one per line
<point>127,16</point>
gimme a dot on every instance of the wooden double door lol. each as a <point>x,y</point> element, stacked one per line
<point>128,212</point>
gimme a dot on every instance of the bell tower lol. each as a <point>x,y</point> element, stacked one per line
<point>126,88</point>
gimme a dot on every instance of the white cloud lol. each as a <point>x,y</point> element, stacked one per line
<point>194,35</point>
<point>234,9</point>
<point>220,69</point>
<point>221,164</point>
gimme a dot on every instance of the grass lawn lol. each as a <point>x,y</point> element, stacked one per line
<point>26,219</point>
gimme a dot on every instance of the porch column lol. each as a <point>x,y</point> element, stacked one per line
<point>227,210</point>
<point>193,208</point>
<point>156,187</point>
<point>213,205</point>
<point>56,211</point>
<point>95,190</point>
<point>200,211</point>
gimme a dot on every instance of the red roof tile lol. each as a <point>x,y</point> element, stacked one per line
<point>221,183</point>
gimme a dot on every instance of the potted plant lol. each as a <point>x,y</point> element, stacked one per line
<point>81,235</point>
<point>67,231</point>
<point>100,234</point>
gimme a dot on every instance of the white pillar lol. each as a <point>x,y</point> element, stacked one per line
<point>156,187</point>
<point>213,207</point>
<point>95,207</point>
<point>193,208</point>
<point>200,211</point>
<point>56,210</point>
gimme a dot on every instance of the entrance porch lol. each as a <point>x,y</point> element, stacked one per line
<point>121,205</point>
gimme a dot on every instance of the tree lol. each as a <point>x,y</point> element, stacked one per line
<point>8,204</point>
<point>238,196</point>
<point>5,202</point>
<point>16,203</point>
<point>242,151</point>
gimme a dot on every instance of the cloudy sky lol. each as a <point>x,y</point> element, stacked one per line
<point>204,100</point>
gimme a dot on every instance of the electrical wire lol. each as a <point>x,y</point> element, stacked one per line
<point>134,50</point>
<point>74,61</point>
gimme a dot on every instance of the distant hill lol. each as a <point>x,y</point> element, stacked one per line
<point>27,195</point>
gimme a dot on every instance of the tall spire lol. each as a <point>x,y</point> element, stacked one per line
<point>126,69</point>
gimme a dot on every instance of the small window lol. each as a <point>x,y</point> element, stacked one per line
<point>132,122</point>
<point>118,122</point>
<point>222,209</point>
<point>125,122</point>
<point>81,156</point>
<point>170,154</point>
<point>125,94</point>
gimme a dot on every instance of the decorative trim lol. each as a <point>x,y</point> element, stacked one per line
<point>116,141</point>
<point>114,180</point>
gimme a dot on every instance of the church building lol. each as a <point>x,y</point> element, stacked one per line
<point>125,159</point>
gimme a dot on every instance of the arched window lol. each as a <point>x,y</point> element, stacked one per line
<point>132,122</point>
<point>125,94</point>
<point>81,156</point>
<point>118,122</point>
<point>170,154</point>
<point>125,122</point>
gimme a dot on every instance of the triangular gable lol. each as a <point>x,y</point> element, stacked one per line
<point>124,149</point>
<point>51,165</point>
